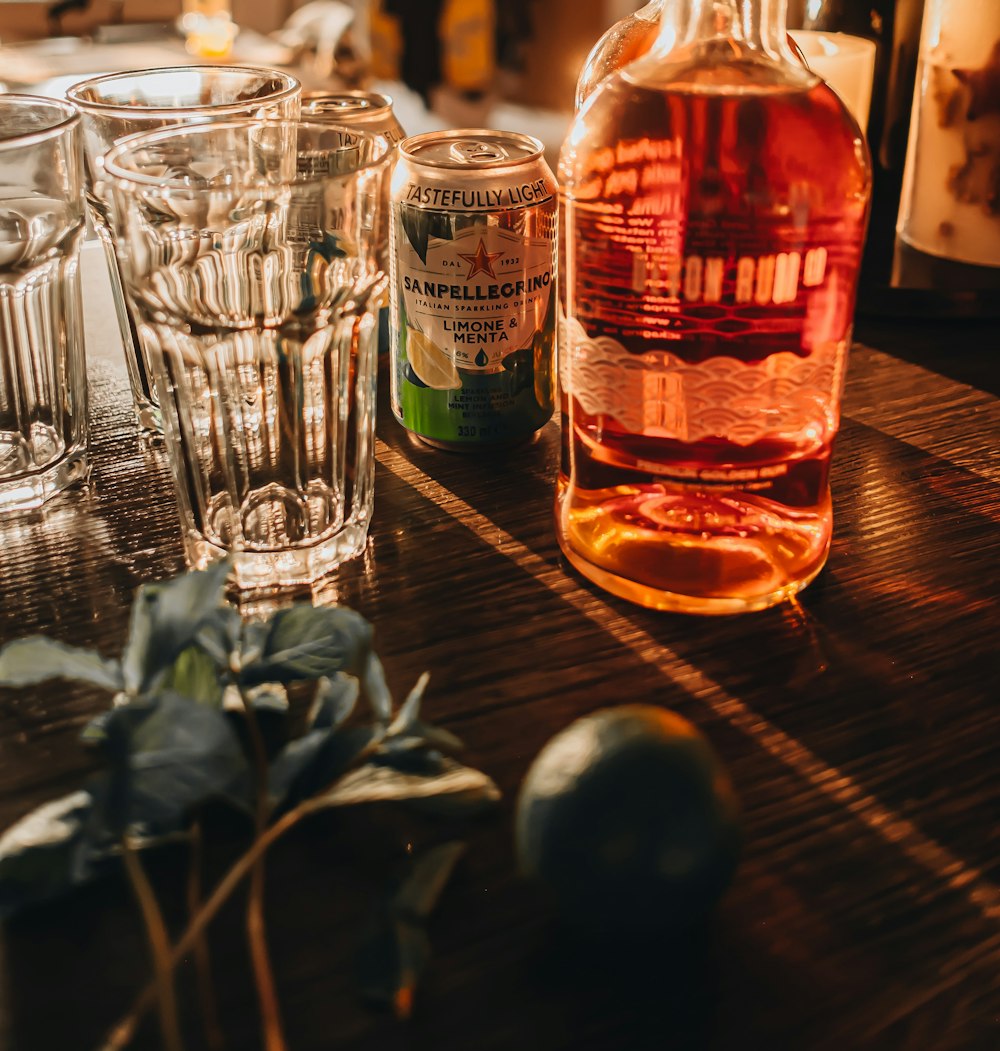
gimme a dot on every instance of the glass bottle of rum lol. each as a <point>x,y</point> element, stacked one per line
<point>714,199</point>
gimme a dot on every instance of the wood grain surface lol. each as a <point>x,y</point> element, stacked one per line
<point>860,726</point>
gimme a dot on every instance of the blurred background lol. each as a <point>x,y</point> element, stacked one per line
<point>498,63</point>
<point>508,64</point>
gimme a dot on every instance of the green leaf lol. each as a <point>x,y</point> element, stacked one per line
<point>438,737</point>
<point>270,697</point>
<point>177,755</point>
<point>306,642</point>
<point>396,948</point>
<point>453,806</point>
<point>334,702</point>
<point>407,730</point>
<point>219,634</point>
<point>409,711</point>
<point>380,783</point>
<point>64,844</point>
<point>310,763</point>
<point>195,675</point>
<point>43,854</point>
<point>428,877</point>
<point>375,689</point>
<point>410,755</point>
<point>25,662</point>
<point>166,617</point>
<point>391,959</point>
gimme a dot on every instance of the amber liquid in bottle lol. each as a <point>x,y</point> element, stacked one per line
<point>713,218</point>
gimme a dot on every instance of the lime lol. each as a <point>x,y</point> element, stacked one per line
<point>629,818</point>
<point>433,366</point>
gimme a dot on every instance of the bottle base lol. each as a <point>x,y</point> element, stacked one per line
<point>675,602</point>
<point>640,546</point>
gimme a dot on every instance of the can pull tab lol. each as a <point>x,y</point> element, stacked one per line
<point>475,151</point>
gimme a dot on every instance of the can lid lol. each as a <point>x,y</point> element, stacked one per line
<point>345,103</point>
<point>470,148</point>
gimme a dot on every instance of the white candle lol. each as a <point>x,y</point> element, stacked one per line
<point>846,63</point>
<point>949,203</point>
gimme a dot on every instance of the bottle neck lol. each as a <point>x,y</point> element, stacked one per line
<point>756,25</point>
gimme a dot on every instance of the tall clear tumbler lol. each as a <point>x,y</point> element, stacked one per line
<point>249,251</point>
<point>43,379</point>
<point>122,104</point>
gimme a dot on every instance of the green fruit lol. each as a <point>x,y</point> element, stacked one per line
<point>629,818</point>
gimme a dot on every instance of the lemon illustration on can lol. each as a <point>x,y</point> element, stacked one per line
<point>433,366</point>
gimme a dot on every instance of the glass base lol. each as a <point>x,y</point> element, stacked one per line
<point>27,492</point>
<point>287,568</point>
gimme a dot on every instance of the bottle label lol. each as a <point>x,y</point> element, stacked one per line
<point>759,280</point>
<point>658,394</point>
<point>479,296</point>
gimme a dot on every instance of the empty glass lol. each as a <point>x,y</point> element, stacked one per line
<point>43,380</point>
<point>249,251</point>
<point>122,104</point>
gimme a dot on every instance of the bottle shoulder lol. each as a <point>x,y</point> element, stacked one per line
<point>719,66</point>
<point>800,131</point>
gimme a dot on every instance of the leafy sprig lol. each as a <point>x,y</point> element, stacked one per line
<point>190,691</point>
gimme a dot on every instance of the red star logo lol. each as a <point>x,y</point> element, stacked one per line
<point>481,262</point>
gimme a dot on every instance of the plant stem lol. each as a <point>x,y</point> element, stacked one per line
<point>214,1037</point>
<point>123,1032</point>
<point>119,1037</point>
<point>159,944</point>
<point>267,995</point>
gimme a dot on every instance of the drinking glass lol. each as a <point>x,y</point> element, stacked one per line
<point>43,380</point>
<point>122,104</point>
<point>249,251</point>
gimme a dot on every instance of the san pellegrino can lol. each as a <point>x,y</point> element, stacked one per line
<point>474,299</point>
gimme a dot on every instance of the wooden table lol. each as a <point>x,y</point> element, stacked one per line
<point>860,727</point>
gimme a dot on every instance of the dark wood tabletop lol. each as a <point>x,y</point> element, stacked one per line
<point>860,727</point>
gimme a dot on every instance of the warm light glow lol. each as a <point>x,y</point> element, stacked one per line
<point>846,63</point>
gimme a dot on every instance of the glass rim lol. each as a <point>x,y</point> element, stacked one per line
<point>292,87</point>
<point>70,118</point>
<point>123,176</point>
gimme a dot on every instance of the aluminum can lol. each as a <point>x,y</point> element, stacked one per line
<point>366,110</point>
<point>473,281</point>
<point>372,113</point>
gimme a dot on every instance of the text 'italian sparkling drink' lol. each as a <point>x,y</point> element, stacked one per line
<point>715,198</point>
